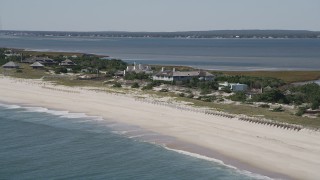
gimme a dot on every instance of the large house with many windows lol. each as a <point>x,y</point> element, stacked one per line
<point>173,75</point>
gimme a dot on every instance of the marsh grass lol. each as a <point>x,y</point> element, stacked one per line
<point>286,76</point>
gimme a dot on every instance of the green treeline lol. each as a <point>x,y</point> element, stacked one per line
<point>252,82</point>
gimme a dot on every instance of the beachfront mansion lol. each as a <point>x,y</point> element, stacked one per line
<point>173,75</point>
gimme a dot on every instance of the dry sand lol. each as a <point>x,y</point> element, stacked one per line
<point>268,150</point>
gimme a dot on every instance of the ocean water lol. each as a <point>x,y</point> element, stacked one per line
<point>37,143</point>
<point>216,54</point>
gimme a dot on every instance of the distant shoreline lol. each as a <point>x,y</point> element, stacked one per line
<point>265,34</point>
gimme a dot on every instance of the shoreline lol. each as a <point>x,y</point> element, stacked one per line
<point>167,142</point>
<point>205,134</point>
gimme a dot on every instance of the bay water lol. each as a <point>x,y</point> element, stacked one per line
<point>214,54</point>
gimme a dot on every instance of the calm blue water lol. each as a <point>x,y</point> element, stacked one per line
<point>221,54</point>
<point>36,144</point>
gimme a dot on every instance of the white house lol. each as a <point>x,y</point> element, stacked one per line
<point>139,68</point>
<point>236,87</point>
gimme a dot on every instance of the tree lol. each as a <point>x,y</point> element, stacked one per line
<point>272,96</point>
<point>315,105</point>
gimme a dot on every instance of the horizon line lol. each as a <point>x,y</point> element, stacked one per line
<point>162,31</point>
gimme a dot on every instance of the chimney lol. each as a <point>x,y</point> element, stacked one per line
<point>174,70</point>
<point>162,69</point>
<point>124,72</point>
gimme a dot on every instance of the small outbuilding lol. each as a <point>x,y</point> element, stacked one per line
<point>11,65</point>
<point>37,65</point>
<point>236,87</point>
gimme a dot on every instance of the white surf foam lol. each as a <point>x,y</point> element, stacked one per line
<point>63,114</point>
<point>244,172</point>
<point>7,106</point>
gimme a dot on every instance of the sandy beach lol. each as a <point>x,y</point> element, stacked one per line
<point>270,151</point>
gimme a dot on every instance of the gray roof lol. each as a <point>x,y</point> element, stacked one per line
<point>10,64</point>
<point>185,73</point>
<point>67,62</point>
<point>44,60</point>
<point>36,64</point>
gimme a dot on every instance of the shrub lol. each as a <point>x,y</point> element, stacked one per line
<point>238,96</point>
<point>273,96</point>
<point>301,111</point>
<point>117,85</point>
<point>220,100</point>
<point>278,109</point>
<point>264,106</point>
<point>190,96</point>
<point>164,90</point>
<point>205,91</point>
<point>133,76</point>
<point>226,90</point>
<point>147,87</point>
<point>208,98</point>
<point>135,85</point>
<point>60,70</point>
<point>18,71</point>
<point>182,95</point>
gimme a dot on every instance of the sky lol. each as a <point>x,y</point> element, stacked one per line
<point>158,15</point>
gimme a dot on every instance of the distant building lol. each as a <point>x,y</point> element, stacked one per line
<point>140,68</point>
<point>173,75</point>
<point>37,65</point>
<point>42,60</point>
<point>67,62</point>
<point>10,65</point>
<point>11,53</point>
<point>120,73</point>
<point>236,87</point>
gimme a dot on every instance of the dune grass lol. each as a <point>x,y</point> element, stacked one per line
<point>286,116</point>
<point>25,71</point>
